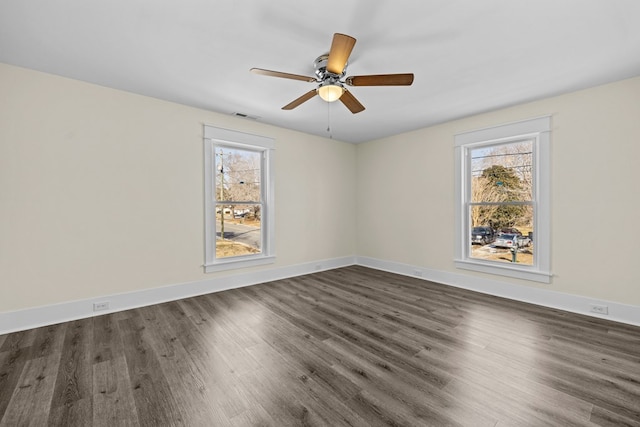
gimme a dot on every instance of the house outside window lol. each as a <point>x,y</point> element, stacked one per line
<point>239,222</point>
<point>502,200</point>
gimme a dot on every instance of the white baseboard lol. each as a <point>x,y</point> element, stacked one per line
<point>618,312</point>
<point>73,310</point>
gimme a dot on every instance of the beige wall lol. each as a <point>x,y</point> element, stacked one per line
<point>405,192</point>
<point>101,191</point>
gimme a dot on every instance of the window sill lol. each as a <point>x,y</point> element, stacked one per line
<point>237,263</point>
<point>521,272</point>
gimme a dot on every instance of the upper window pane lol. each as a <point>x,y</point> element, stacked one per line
<point>502,173</point>
<point>237,175</point>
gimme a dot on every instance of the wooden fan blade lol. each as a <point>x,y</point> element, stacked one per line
<point>381,80</point>
<point>304,98</point>
<point>341,48</point>
<point>351,102</point>
<point>282,75</point>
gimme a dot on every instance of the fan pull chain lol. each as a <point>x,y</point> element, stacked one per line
<point>329,120</point>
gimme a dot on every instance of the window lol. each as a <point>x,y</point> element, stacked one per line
<point>239,222</point>
<point>502,200</point>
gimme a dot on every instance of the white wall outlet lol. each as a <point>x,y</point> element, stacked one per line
<point>99,306</point>
<point>600,309</point>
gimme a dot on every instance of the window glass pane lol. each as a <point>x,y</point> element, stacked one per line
<point>502,173</point>
<point>238,230</point>
<point>237,174</point>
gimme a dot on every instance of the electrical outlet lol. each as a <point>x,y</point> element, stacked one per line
<point>600,309</point>
<point>417,273</point>
<point>99,306</point>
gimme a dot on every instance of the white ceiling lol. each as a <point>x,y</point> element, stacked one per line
<point>468,56</point>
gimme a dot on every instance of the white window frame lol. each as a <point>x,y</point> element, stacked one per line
<point>539,131</point>
<point>215,137</point>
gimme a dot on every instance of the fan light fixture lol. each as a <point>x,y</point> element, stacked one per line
<point>330,92</point>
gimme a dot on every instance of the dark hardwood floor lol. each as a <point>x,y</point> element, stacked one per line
<point>351,346</point>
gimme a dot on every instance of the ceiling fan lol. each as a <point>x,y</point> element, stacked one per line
<point>330,73</point>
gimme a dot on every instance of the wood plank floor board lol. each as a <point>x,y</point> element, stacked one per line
<point>474,361</point>
<point>613,341</point>
<point>255,416</point>
<point>305,377</point>
<point>364,294</point>
<point>310,359</point>
<point>225,346</point>
<point>47,340</point>
<point>385,318</point>
<point>296,318</point>
<point>155,403</point>
<point>402,297</point>
<point>503,401</point>
<point>29,361</point>
<point>346,347</point>
<point>380,377</point>
<point>303,352</point>
<point>605,418</point>
<point>614,363</point>
<point>312,368</point>
<point>31,399</point>
<point>333,320</point>
<point>603,392</point>
<point>388,348</point>
<point>189,381</point>
<point>333,304</point>
<point>234,323</point>
<point>72,396</point>
<point>293,401</point>
<point>522,391</point>
<point>344,303</point>
<point>305,373</point>
<point>112,389</point>
<point>177,331</point>
<point>14,354</point>
<point>18,340</point>
<point>113,401</point>
<point>606,368</point>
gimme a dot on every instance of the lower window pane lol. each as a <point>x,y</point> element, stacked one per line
<point>238,230</point>
<point>502,233</point>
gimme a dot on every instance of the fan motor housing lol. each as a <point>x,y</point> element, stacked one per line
<point>320,65</point>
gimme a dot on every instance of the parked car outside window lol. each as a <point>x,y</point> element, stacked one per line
<point>509,230</point>
<point>511,240</point>
<point>482,235</point>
